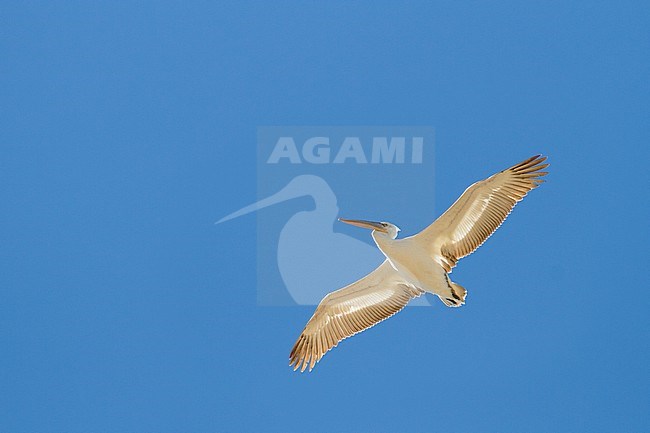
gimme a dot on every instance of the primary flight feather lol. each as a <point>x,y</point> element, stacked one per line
<point>416,264</point>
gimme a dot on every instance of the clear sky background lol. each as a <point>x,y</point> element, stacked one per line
<point>127,129</point>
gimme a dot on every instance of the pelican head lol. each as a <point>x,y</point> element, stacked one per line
<point>388,229</point>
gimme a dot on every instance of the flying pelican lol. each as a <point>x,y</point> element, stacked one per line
<point>416,264</point>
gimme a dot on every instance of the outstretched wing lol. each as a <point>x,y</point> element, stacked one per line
<point>350,310</point>
<point>479,211</point>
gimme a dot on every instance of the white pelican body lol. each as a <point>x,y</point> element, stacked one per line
<point>412,262</point>
<point>416,264</point>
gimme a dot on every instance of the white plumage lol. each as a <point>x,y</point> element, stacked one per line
<point>416,264</point>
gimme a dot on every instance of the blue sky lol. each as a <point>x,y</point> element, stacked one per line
<point>128,129</point>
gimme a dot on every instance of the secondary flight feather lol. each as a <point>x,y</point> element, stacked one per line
<point>416,264</point>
